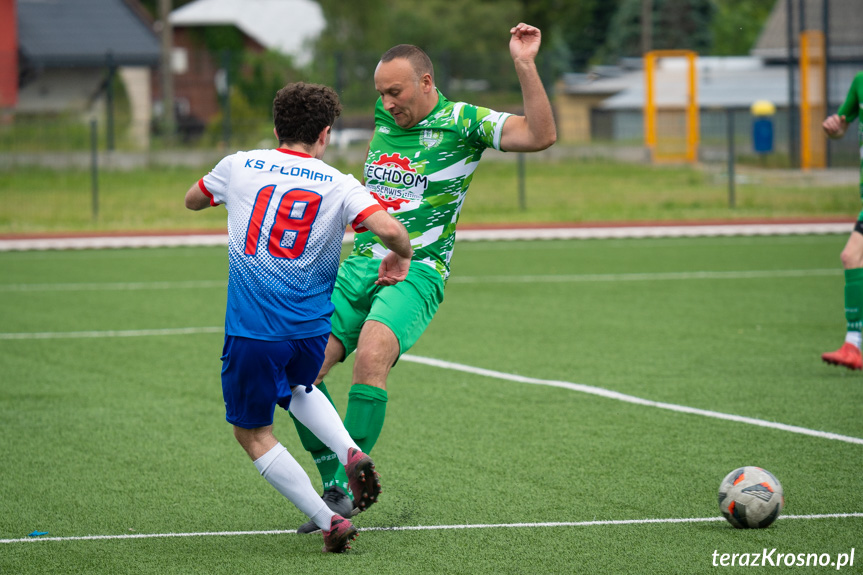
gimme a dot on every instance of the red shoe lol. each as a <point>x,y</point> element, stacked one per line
<point>364,481</point>
<point>338,538</point>
<point>847,355</point>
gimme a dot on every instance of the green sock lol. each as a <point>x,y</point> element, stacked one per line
<point>327,461</point>
<point>854,298</point>
<point>367,406</point>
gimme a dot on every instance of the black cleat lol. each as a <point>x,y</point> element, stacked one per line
<point>338,502</point>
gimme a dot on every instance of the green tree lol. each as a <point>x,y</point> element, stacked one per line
<point>573,31</point>
<point>434,25</point>
<point>737,25</point>
<point>677,25</point>
<point>352,26</point>
<point>466,40</point>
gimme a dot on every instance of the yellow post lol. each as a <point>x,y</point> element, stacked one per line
<point>689,109</point>
<point>649,103</point>
<point>813,151</point>
<point>692,112</point>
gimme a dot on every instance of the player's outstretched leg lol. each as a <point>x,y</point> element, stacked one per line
<point>364,420</point>
<point>314,410</point>
<point>364,481</point>
<point>325,460</point>
<point>283,472</point>
<point>338,538</point>
<point>848,356</point>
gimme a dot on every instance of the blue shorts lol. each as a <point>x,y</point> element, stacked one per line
<point>257,375</point>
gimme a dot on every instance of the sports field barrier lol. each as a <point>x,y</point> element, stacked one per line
<point>671,118</point>
<point>62,140</point>
<point>813,96</point>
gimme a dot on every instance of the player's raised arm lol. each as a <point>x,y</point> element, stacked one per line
<point>535,130</point>
<point>394,266</point>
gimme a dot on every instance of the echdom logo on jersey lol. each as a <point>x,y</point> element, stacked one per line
<point>390,171</point>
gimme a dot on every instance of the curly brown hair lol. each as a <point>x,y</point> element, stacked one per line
<point>301,111</point>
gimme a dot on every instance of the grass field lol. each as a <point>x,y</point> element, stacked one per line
<point>109,431</point>
<point>38,200</point>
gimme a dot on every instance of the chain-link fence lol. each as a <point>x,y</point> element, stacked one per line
<point>222,101</point>
<point>80,124</point>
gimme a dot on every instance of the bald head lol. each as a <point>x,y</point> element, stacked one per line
<point>405,80</point>
<point>418,60</point>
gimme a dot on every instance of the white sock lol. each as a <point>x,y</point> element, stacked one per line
<point>316,412</point>
<point>853,337</point>
<point>283,472</point>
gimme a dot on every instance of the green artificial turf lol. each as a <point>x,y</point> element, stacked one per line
<point>111,434</point>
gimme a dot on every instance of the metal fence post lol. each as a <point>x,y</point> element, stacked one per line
<point>522,199</point>
<point>793,144</point>
<point>730,127</point>
<point>825,18</point>
<point>94,169</point>
<point>109,100</point>
<point>226,99</point>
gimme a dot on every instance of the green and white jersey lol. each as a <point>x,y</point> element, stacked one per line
<point>853,108</point>
<point>421,175</point>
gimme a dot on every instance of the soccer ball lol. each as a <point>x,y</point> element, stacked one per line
<point>750,498</point>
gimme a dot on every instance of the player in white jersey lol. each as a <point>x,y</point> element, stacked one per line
<point>420,163</point>
<point>287,213</point>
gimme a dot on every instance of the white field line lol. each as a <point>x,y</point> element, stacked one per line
<point>600,523</point>
<point>559,278</point>
<point>629,398</point>
<point>582,388</point>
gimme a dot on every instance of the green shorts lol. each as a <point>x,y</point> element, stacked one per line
<point>406,308</point>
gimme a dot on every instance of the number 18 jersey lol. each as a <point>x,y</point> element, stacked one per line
<point>287,213</point>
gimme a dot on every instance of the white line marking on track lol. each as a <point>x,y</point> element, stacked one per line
<point>629,398</point>
<point>664,276</point>
<point>652,243</point>
<point>675,520</point>
<point>114,286</point>
<point>644,231</point>
<point>111,333</point>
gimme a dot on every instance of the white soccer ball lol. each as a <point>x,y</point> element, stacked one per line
<point>750,498</point>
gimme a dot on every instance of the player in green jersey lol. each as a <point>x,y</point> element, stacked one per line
<point>852,255</point>
<point>421,159</point>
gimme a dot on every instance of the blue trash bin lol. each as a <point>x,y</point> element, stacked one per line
<point>762,126</point>
<point>762,135</point>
